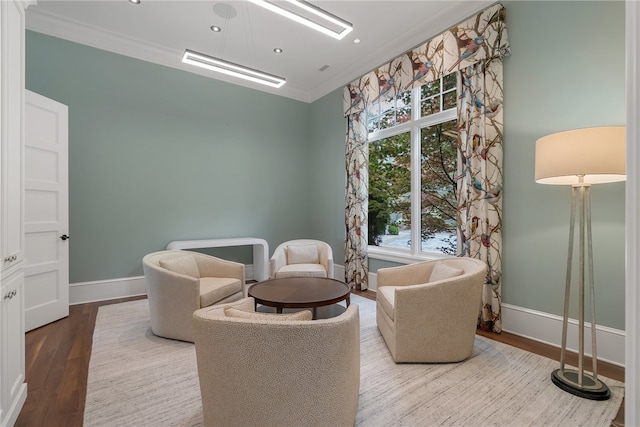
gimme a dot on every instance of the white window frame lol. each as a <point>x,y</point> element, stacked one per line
<point>413,127</point>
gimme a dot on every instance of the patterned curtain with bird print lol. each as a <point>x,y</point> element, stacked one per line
<point>479,178</point>
<point>357,201</point>
<point>478,42</point>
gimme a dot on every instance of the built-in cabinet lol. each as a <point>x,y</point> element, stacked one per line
<point>12,90</point>
<point>13,389</point>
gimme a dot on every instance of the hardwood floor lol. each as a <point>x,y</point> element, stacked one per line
<point>57,363</point>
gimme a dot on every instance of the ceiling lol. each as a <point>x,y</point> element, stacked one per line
<point>159,31</point>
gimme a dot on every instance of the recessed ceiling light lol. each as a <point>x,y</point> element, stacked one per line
<point>277,50</point>
<point>215,29</point>
<point>134,1</point>
<point>356,41</point>
<point>324,27</point>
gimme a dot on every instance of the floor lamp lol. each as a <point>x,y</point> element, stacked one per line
<point>581,158</point>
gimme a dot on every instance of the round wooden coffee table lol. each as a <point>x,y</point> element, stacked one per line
<point>300,292</point>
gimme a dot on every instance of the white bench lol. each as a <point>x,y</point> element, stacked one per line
<point>260,250</point>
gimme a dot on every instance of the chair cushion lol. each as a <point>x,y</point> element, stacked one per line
<point>386,296</point>
<point>182,265</point>
<point>302,270</point>
<point>443,271</point>
<point>302,254</point>
<point>214,289</point>
<point>271,317</point>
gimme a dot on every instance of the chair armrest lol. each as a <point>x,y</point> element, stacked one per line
<point>329,267</point>
<point>215,311</point>
<point>168,290</point>
<point>443,302</point>
<point>276,262</point>
<point>215,267</point>
<point>411,274</point>
<point>325,257</point>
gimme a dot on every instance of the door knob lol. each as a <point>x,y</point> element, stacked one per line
<point>64,237</point>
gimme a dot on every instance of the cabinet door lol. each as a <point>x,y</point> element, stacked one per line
<point>14,389</point>
<point>12,191</point>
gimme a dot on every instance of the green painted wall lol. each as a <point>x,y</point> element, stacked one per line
<point>328,133</point>
<point>157,154</point>
<point>566,72</point>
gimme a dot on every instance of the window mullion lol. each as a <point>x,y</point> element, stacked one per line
<point>441,94</point>
<point>416,168</point>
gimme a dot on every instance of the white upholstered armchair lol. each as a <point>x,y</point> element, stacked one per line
<point>302,258</point>
<point>259,369</point>
<point>428,311</point>
<point>181,282</point>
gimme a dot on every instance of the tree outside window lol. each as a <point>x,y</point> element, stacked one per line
<point>438,185</point>
<point>389,187</point>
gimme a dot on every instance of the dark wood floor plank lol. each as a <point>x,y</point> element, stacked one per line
<point>57,364</point>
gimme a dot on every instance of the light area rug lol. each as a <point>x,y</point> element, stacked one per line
<point>138,379</point>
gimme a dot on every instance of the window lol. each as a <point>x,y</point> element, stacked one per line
<point>412,167</point>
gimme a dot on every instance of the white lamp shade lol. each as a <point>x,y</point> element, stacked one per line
<point>597,154</point>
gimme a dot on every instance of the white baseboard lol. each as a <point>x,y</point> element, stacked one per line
<point>12,413</point>
<point>103,290</point>
<point>547,328</point>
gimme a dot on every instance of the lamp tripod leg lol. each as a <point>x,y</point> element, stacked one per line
<point>569,380</point>
<point>567,289</point>
<point>594,348</point>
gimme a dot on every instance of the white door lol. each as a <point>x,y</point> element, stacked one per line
<point>46,221</point>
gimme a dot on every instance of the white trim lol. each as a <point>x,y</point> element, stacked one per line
<point>402,256</point>
<point>632,214</point>
<point>547,328</point>
<point>102,290</point>
<point>338,271</point>
<point>373,282</point>
<point>13,412</point>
